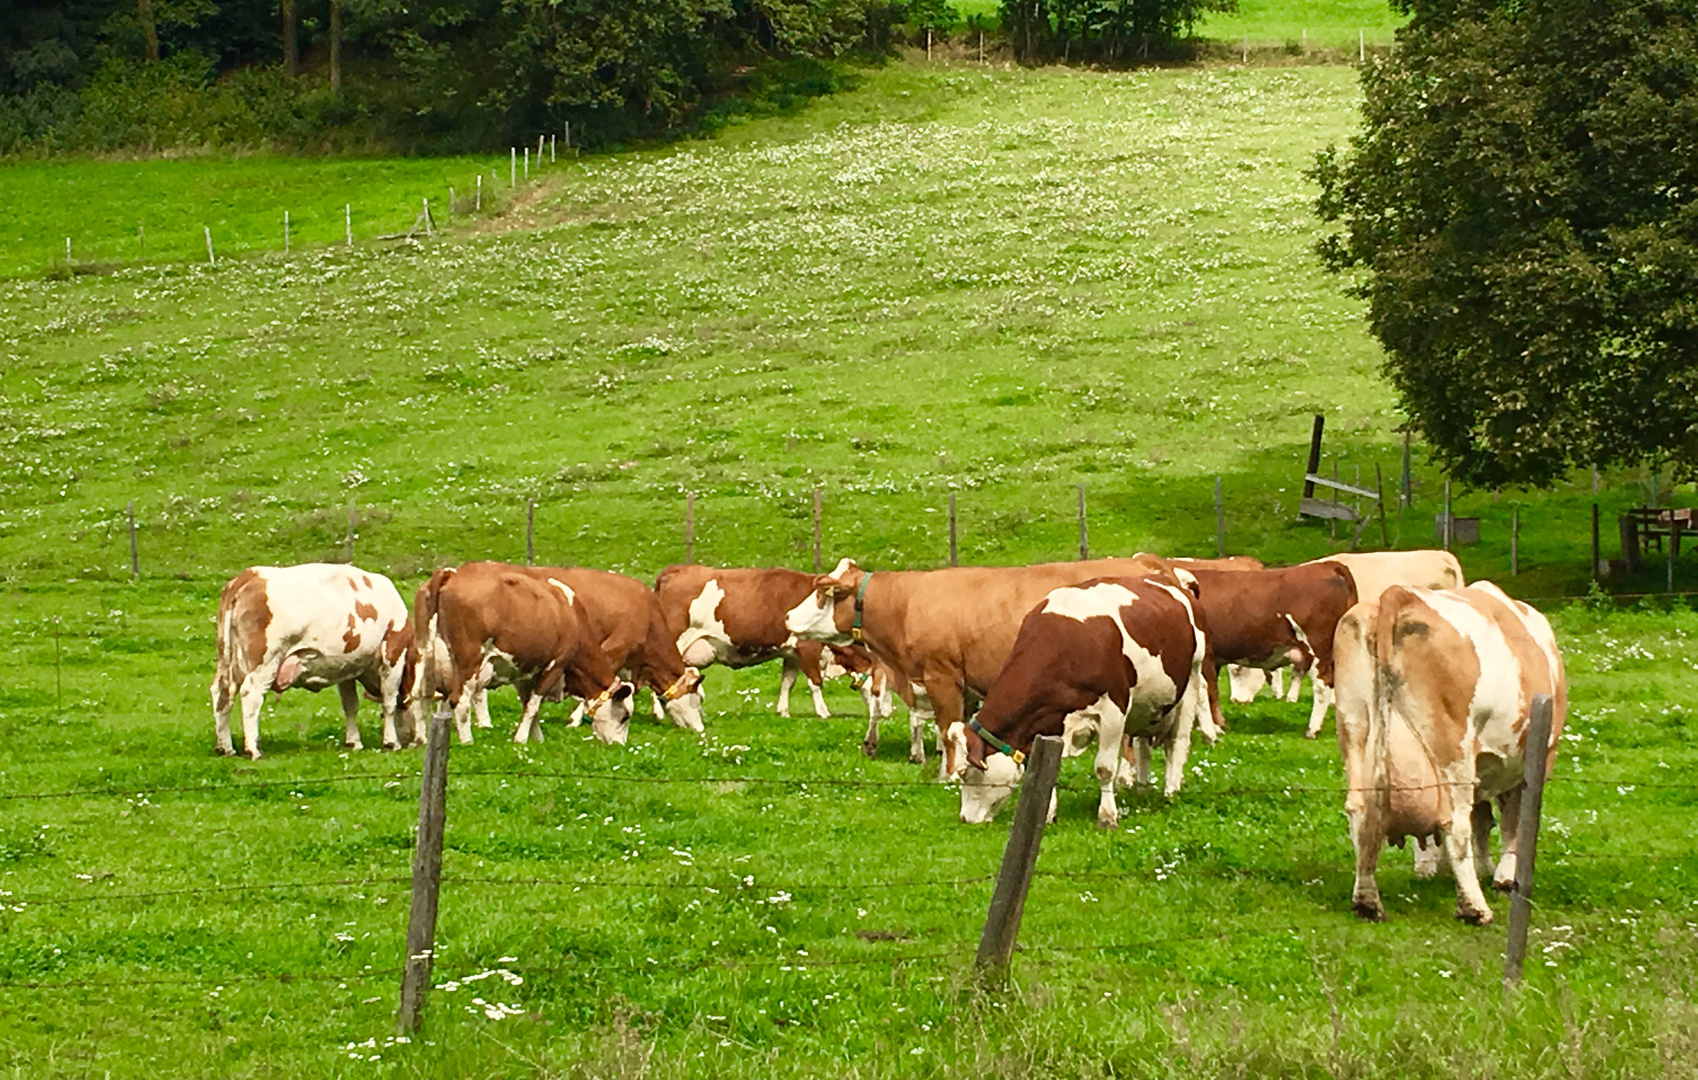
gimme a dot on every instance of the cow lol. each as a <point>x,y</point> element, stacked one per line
<point>944,633</point>
<point>310,626</point>
<point>1434,691</point>
<point>1122,656</point>
<point>871,679</point>
<point>1271,618</point>
<point>735,617</point>
<point>489,624</point>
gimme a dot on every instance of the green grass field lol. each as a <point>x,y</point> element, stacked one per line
<point>1323,24</point>
<point>997,284</point>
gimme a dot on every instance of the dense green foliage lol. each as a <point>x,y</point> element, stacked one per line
<point>1111,30</point>
<point>443,74</point>
<point>1523,208</point>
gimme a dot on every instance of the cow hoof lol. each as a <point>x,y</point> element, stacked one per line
<point>1504,886</point>
<point>916,759</point>
<point>1107,824</point>
<point>254,755</point>
<point>225,751</point>
<point>1310,734</point>
<point>1372,911</point>
<point>1476,918</point>
<point>387,745</point>
<point>869,748</point>
<point>353,746</point>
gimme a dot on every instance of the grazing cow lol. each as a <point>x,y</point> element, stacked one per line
<point>311,626</point>
<point>1435,693</point>
<point>1121,655</point>
<point>1270,618</point>
<point>489,624</point>
<point>735,617</point>
<point>944,633</point>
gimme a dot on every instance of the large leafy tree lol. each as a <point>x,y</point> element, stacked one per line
<point>1521,211</point>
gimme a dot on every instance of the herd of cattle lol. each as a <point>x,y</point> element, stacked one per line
<point>1432,680</point>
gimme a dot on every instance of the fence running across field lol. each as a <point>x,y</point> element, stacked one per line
<point>954,955</point>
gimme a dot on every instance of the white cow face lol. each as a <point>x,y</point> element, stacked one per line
<point>817,617</point>
<point>611,721</point>
<point>685,710</point>
<point>984,791</point>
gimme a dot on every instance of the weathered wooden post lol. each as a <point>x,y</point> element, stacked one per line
<point>1380,501</point>
<point>1220,521</point>
<point>135,553</point>
<point>954,559</point>
<point>427,873</point>
<point>530,532</point>
<point>818,553</point>
<point>1008,902</point>
<point>1527,838</point>
<point>1673,546</point>
<point>1514,539</point>
<point>1597,566</point>
<point>1084,535</point>
<point>1314,455</point>
<point>1408,477</point>
<point>690,527</point>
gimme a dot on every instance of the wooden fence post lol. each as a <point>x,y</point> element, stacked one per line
<point>954,559</point>
<point>1514,539</point>
<point>1597,571</point>
<point>1408,477</point>
<point>690,527</point>
<point>1084,534</point>
<point>135,553</point>
<point>1673,546</point>
<point>1380,491</point>
<point>348,224</point>
<point>817,545</point>
<point>427,873</point>
<point>530,532</point>
<point>512,166</point>
<point>285,232</point>
<point>1008,902</point>
<point>1314,455</point>
<point>1447,515</point>
<point>210,257</point>
<point>1220,521</point>
<point>1527,837</point>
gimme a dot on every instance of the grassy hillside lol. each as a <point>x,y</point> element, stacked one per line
<point>997,284</point>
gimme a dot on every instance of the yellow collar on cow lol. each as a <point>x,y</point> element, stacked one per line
<point>676,690</point>
<point>860,598</point>
<point>599,700</point>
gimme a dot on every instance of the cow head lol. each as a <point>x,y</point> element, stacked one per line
<point>828,613</point>
<point>988,785</point>
<point>610,713</point>
<point>684,700</point>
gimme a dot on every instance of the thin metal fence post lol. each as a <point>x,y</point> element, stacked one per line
<point>1380,501</point>
<point>1408,477</point>
<point>1597,566</point>
<point>1019,858</point>
<point>530,531</point>
<point>1527,836</point>
<point>352,520</point>
<point>1673,546</point>
<point>427,873</point>
<point>1220,520</point>
<point>1514,539</point>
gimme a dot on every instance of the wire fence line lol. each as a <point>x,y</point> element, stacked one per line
<point>125,791</point>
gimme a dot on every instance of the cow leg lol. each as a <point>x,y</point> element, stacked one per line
<point>1365,795</point>
<point>920,717</point>
<point>1178,751</point>
<point>390,688</point>
<point>1295,690</point>
<point>869,745</point>
<point>1141,761</point>
<point>351,714</point>
<point>1318,711</point>
<point>1471,903</point>
<point>659,704</point>
<point>886,702</point>
<point>1427,856</point>
<point>469,694</point>
<point>480,701</point>
<point>1212,722</point>
<point>1509,824</point>
<point>223,695</point>
<point>253,699</point>
<point>529,729</point>
<point>577,716</point>
<point>1276,681</point>
<point>820,709</point>
<point>949,711</point>
<point>1111,734</point>
<point>785,682</point>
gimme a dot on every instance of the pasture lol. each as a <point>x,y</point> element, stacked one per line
<point>998,284</point>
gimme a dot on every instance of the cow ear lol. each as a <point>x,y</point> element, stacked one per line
<point>622,691</point>
<point>976,754</point>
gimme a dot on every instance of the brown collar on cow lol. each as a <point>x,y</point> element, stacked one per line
<point>599,700</point>
<point>860,598</point>
<point>676,690</point>
<point>996,743</point>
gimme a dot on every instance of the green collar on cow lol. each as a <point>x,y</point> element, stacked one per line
<point>860,598</point>
<point>996,743</point>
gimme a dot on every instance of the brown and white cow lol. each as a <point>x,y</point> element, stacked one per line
<point>309,626</point>
<point>1272,618</point>
<point>945,633</point>
<point>1435,693</point>
<point>1122,656</point>
<point>735,617</point>
<point>489,624</point>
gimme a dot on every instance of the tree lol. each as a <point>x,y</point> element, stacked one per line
<point>1521,209</point>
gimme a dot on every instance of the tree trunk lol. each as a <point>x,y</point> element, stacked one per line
<point>291,56</point>
<point>150,31</point>
<point>335,44</point>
